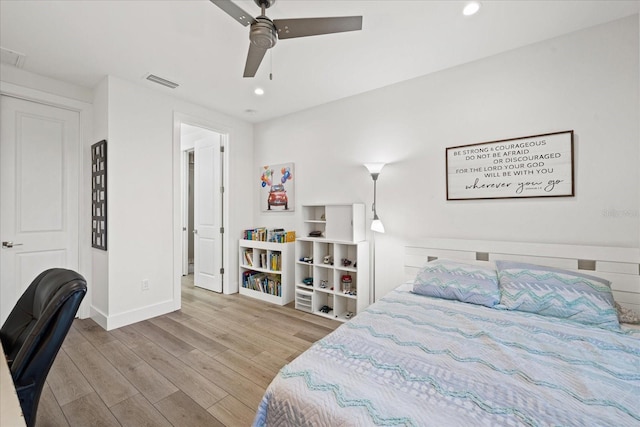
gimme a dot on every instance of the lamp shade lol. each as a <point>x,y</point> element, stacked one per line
<point>374,167</point>
<point>376,225</point>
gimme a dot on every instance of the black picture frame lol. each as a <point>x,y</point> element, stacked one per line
<point>99,195</point>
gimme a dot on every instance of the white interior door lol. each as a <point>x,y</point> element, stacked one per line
<point>207,214</point>
<point>39,147</point>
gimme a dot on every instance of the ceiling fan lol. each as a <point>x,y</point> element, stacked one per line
<point>265,32</point>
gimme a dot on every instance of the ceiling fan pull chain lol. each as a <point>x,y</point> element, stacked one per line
<point>270,65</point>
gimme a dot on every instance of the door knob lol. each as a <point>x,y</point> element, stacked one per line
<point>10,244</point>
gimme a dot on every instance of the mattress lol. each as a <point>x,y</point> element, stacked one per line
<point>412,360</point>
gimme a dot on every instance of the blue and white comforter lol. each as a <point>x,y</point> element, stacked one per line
<point>411,360</point>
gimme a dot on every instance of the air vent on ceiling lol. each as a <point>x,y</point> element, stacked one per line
<point>12,57</point>
<point>161,81</point>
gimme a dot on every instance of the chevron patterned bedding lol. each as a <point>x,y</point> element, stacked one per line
<point>413,360</point>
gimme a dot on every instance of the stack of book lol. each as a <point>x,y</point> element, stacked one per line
<point>275,261</point>
<point>259,234</point>
<point>261,282</point>
<point>278,235</point>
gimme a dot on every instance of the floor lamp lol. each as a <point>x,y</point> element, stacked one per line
<point>376,225</point>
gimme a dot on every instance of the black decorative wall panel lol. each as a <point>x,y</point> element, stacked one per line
<point>99,195</point>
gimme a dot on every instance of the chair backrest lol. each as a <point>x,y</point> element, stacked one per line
<point>34,331</point>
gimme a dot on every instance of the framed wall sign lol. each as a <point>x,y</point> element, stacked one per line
<point>531,166</point>
<point>99,195</point>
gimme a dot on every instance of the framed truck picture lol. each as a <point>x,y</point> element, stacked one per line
<point>277,188</point>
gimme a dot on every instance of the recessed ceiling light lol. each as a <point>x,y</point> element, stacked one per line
<point>259,91</point>
<point>471,8</point>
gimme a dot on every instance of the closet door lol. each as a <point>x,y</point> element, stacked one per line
<point>39,147</point>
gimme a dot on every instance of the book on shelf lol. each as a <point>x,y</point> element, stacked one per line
<point>274,235</point>
<point>275,261</point>
<point>258,281</point>
<point>263,260</point>
<point>252,279</point>
<point>248,257</point>
<point>277,235</point>
<point>261,282</point>
<point>259,234</point>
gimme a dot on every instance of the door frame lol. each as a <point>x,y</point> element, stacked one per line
<point>185,209</point>
<point>85,112</point>
<point>178,199</point>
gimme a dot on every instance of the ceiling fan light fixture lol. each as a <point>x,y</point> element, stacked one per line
<point>471,8</point>
<point>263,33</point>
<point>258,91</point>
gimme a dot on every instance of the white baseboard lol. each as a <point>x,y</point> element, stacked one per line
<point>99,317</point>
<point>114,321</point>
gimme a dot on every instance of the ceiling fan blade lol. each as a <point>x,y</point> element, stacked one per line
<point>254,58</point>
<point>303,27</point>
<point>234,11</point>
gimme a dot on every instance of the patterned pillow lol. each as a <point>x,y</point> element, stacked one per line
<point>626,315</point>
<point>458,281</point>
<point>558,293</point>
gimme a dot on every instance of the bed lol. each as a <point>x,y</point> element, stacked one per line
<point>417,359</point>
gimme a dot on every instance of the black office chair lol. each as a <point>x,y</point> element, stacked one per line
<point>34,331</point>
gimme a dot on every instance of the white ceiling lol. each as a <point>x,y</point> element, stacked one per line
<point>195,44</point>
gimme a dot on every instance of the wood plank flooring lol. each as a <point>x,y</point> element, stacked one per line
<point>207,364</point>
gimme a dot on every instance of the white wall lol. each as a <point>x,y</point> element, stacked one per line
<point>586,81</point>
<point>142,180</point>
<point>99,282</point>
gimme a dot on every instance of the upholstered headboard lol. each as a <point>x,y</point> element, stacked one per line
<point>621,266</point>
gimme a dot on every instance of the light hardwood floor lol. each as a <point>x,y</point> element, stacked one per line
<point>205,365</point>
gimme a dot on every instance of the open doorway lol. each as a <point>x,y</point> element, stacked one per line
<point>189,255</point>
<point>202,205</point>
